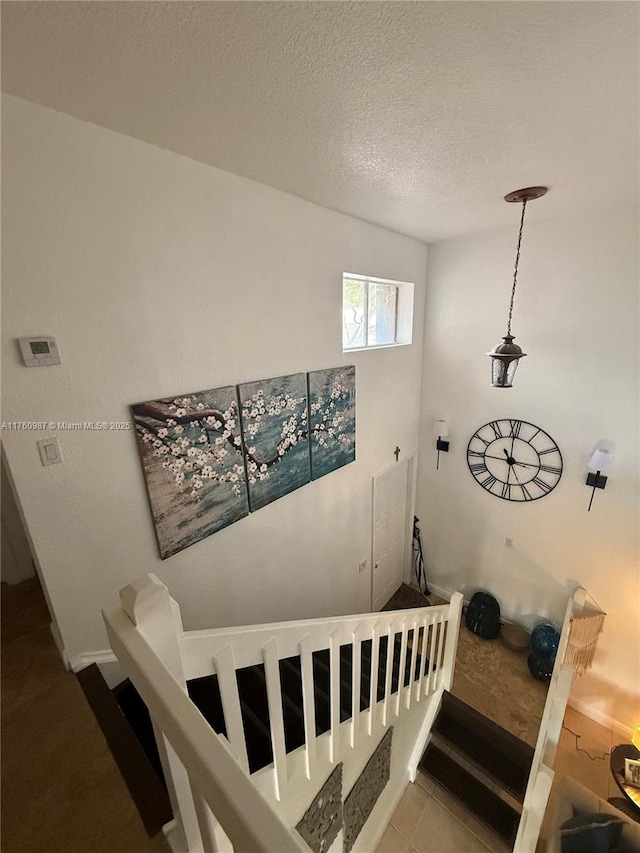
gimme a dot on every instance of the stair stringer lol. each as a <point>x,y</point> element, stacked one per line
<point>411,733</point>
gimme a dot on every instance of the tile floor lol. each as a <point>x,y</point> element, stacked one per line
<point>428,820</point>
<point>590,768</point>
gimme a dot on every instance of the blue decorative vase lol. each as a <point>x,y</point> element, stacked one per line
<point>540,666</point>
<point>545,639</point>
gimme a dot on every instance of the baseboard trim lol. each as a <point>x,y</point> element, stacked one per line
<point>87,658</point>
<point>600,717</point>
<point>57,639</point>
<point>443,593</point>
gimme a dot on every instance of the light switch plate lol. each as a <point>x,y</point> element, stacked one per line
<point>49,451</point>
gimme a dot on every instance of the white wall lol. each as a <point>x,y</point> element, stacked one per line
<point>159,275</point>
<point>17,563</point>
<point>576,315</point>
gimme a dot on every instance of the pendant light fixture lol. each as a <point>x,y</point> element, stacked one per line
<point>505,356</point>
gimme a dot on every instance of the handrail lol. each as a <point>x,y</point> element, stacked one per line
<point>541,774</point>
<point>207,774</point>
<point>198,647</point>
<point>226,789</point>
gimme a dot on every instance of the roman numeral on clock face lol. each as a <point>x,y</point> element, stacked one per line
<point>478,467</point>
<point>488,481</point>
<point>495,426</point>
<point>551,469</point>
<point>515,427</point>
<point>506,491</point>
<point>542,485</point>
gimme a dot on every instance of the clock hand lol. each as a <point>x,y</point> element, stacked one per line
<point>524,464</point>
<point>511,468</point>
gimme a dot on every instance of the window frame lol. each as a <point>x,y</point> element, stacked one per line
<point>403,320</point>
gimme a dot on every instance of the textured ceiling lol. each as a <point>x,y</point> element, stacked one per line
<point>417,116</point>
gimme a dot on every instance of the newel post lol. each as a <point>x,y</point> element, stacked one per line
<point>156,615</point>
<point>451,642</point>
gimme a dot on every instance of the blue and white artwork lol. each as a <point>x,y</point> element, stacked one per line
<point>332,419</point>
<point>276,439</point>
<point>191,452</point>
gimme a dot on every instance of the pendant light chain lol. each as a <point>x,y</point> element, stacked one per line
<point>515,272</point>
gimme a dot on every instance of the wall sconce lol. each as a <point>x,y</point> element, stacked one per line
<point>441,430</point>
<point>599,466</point>
<point>505,355</point>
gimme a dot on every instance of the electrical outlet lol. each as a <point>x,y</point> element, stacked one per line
<point>362,567</point>
<point>508,542</point>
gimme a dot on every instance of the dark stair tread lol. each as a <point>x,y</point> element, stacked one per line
<point>142,775</point>
<point>205,694</point>
<point>322,687</point>
<point>254,694</point>
<point>257,738</point>
<point>500,755</point>
<point>293,718</point>
<point>486,806</point>
<point>137,715</point>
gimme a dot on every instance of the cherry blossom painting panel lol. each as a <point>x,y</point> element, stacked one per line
<point>275,434</point>
<point>191,453</point>
<point>332,419</point>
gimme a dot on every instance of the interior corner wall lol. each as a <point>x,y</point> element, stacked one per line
<point>159,275</point>
<point>576,315</point>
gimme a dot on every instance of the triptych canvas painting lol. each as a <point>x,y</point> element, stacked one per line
<point>212,457</point>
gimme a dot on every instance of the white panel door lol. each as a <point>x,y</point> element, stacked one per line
<point>390,531</point>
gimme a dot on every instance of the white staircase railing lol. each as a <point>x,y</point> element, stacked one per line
<point>542,774</point>
<point>217,804</point>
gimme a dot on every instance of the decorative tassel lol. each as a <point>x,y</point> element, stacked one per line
<point>583,639</point>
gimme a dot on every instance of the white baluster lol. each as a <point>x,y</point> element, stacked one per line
<point>403,659</point>
<point>228,684</point>
<point>214,838</point>
<point>373,686</point>
<point>308,704</point>
<point>423,658</point>
<point>442,627</point>
<point>413,656</point>
<point>334,694</point>
<point>433,630</point>
<point>388,671</point>
<point>276,720</point>
<point>355,682</point>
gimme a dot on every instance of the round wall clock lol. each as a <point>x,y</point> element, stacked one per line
<point>514,460</point>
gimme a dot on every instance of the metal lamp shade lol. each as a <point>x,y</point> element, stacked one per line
<point>504,362</point>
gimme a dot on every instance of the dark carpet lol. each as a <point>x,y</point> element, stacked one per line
<point>405,598</point>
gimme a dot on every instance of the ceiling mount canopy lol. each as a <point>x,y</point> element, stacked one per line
<point>505,355</point>
<point>527,194</point>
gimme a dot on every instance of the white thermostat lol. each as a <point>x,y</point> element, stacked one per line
<point>39,352</point>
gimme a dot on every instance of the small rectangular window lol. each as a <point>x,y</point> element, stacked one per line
<point>375,312</point>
